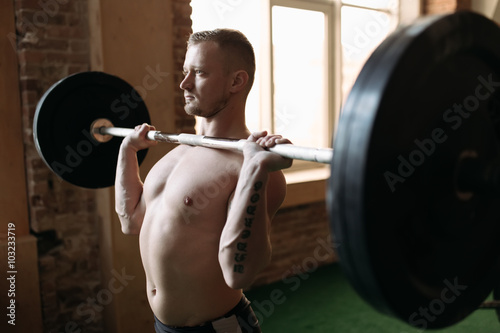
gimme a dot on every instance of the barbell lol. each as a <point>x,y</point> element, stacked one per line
<point>103,130</point>
<point>413,194</point>
<point>81,159</point>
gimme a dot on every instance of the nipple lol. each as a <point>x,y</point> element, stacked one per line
<point>188,201</point>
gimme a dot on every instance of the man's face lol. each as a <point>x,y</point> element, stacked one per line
<point>206,82</point>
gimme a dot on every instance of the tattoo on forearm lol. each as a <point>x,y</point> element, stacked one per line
<point>241,246</point>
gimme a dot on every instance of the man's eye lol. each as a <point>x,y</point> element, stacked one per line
<point>197,72</point>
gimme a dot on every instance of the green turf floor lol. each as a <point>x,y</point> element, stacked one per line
<point>324,301</point>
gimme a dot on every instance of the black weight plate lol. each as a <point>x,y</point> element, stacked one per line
<point>63,117</point>
<point>409,243</point>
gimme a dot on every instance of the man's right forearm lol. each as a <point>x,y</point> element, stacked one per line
<point>128,191</point>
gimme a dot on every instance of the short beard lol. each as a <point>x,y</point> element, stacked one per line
<point>196,111</point>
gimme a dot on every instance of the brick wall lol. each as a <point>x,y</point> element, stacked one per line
<point>464,5</point>
<point>444,6</point>
<point>439,6</point>
<point>301,242</point>
<point>52,42</point>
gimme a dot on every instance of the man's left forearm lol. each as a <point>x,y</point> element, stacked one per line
<point>245,247</point>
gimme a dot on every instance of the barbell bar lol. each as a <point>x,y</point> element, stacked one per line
<point>103,130</point>
<point>412,197</point>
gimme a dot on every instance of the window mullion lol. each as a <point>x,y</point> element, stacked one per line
<point>266,80</point>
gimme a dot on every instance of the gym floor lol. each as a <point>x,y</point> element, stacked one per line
<point>324,301</point>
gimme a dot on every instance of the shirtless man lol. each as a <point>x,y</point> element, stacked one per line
<point>203,215</point>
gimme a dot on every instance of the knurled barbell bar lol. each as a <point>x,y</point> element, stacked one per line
<point>413,197</point>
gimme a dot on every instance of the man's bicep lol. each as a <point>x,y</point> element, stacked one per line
<point>276,192</point>
<point>132,224</point>
<point>230,202</point>
<point>140,209</point>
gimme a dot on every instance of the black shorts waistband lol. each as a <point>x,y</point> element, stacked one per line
<point>243,306</point>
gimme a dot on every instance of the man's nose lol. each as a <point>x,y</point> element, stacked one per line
<point>186,83</point>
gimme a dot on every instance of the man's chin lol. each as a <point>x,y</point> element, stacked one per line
<point>192,111</point>
<point>195,111</point>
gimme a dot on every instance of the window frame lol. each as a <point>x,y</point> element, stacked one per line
<point>311,185</point>
<point>266,81</point>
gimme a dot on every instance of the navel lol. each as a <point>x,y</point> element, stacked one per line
<point>188,201</point>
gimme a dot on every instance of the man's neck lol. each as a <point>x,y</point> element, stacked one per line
<point>224,125</point>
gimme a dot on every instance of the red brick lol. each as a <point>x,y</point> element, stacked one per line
<point>69,6</point>
<point>55,31</point>
<point>56,57</point>
<point>31,56</point>
<point>79,45</point>
<point>29,97</point>
<point>54,72</point>
<point>185,21</point>
<point>32,4</point>
<point>31,21</point>
<point>74,19</point>
<point>36,163</point>
<point>36,200</point>
<point>58,19</point>
<point>182,9</point>
<point>24,15</point>
<point>47,263</point>
<point>439,6</point>
<point>54,44</point>
<point>464,5</point>
<point>73,68</point>
<point>184,31</point>
<point>61,57</point>
<point>29,84</point>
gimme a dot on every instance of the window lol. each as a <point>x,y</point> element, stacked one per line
<point>364,25</point>
<point>301,73</point>
<point>308,54</point>
<point>245,16</point>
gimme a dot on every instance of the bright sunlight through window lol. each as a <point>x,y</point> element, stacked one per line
<point>300,80</point>
<point>308,53</point>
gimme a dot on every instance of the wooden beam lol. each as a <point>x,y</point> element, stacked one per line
<point>132,40</point>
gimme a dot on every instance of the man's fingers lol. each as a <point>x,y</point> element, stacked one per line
<point>139,140</point>
<point>144,129</point>
<point>272,140</point>
<point>256,136</point>
<point>283,141</point>
<point>267,141</point>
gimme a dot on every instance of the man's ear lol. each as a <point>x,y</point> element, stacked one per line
<point>240,80</point>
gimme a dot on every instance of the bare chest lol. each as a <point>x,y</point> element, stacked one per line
<point>193,182</point>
